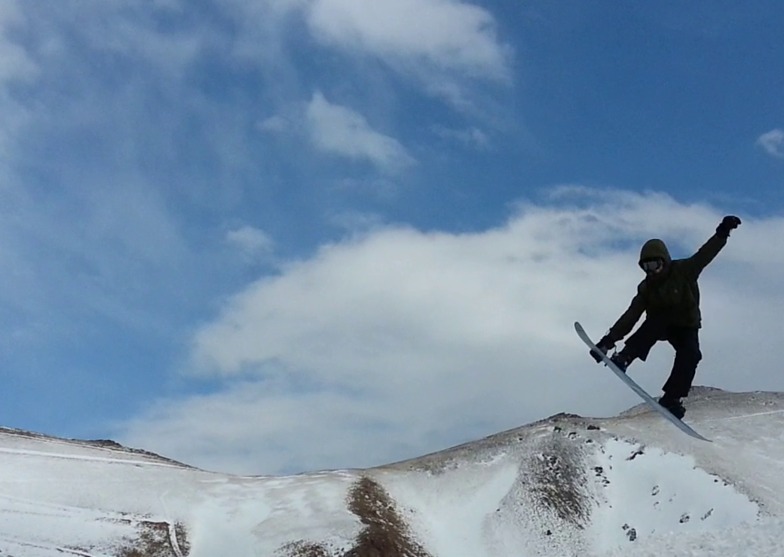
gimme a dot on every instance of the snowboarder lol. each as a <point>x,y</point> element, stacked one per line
<point>670,298</point>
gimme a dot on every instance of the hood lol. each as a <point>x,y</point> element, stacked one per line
<point>655,249</point>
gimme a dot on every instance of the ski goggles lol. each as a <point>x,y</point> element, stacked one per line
<point>652,265</point>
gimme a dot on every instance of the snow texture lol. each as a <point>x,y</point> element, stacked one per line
<point>567,485</point>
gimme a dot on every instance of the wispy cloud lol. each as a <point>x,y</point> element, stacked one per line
<point>445,34</point>
<point>444,46</point>
<point>134,133</point>
<point>428,339</point>
<point>16,67</point>
<point>470,137</point>
<point>340,131</point>
<point>107,153</point>
<point>772,143</point>
<point>15,63</point>
<point>274,124</point>
<point>252,242</point>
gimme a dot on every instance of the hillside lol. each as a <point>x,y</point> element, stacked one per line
<point>563,486</point>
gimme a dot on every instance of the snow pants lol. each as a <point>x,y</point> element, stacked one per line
<point>685,341</point>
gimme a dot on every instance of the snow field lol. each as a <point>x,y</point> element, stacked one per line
<point>644,492</point>
<point>630,485</point>
<point>450,512</point>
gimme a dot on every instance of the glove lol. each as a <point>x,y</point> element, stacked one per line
<point>605,345</point>
<point>728,223</point>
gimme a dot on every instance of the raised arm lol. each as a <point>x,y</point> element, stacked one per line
<point>713,246</point>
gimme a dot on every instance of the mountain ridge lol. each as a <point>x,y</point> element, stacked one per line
<point>563,485</point>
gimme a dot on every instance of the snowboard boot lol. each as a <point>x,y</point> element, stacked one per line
<point>621,360</point>
<point>673,405</point>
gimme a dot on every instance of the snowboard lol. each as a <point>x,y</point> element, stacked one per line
<point>683,426</point>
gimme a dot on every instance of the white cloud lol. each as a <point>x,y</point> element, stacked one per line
<point>443,46</point>
<point>274,124</point>
<point>773,143</point>
<point>443,34</point>
<point>339,130</point>
<point>470,137</point>
<point>402,342</point>
<point>125,242</point>
<point>15,66</point>
<point>251,241</point>
<point>15,63</point>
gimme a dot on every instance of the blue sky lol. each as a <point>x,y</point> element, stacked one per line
<point>261,236</point>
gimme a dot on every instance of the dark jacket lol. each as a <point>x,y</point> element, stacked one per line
<point>673,295</point>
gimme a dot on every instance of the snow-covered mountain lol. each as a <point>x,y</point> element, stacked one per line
<point>629,485</point>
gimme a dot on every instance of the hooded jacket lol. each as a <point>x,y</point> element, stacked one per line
<point>672,295</point>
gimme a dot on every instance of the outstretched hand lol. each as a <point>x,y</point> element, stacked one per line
<point>728,223</point>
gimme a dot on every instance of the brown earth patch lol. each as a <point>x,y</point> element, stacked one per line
<point>558,480</point>
<point>154,541</point>
<point>385,533</point>
<point>304,549</point>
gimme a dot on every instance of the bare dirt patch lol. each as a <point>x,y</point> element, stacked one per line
<point>155,541</point>
<point>558,478</point>
<point>304,549</point>
<point>385,533</point>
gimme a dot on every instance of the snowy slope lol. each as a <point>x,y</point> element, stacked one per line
<point>563,486</point>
